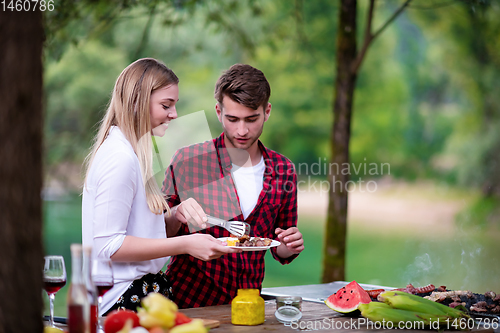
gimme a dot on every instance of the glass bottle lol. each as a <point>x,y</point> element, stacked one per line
<point>248,308</point>
<point>92,293</point>
<point>77,294</point>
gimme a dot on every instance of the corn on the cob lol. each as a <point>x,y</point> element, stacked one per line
<point>406,301</point>
<point>378,313</point>
<point>382,312</point>
<point>373,305</point>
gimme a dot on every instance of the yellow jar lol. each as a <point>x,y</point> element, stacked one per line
<point>248,308</point>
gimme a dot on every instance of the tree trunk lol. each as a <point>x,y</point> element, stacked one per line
<point>21,258</point>
<point>336,227</point>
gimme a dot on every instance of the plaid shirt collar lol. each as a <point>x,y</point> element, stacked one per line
<point>225,159</point>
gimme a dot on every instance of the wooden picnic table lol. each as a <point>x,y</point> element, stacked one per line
<point>315,316</point>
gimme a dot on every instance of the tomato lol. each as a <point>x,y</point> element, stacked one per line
<point>117,319</point>
<point>181,318</point>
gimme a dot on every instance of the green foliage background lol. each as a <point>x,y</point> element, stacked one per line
<point>427,95</point>
<point>427,99</point>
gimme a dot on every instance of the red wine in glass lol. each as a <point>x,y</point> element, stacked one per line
<point>54,278</point>
<point>102,274</point>
<point>52,286</point>
<point>103,288</point>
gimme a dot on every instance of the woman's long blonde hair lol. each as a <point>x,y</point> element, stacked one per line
<point>129,110</point>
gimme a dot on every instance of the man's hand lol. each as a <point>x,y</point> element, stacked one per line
<point>291,242</point>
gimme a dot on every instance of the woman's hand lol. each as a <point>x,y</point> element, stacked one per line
<point>205,247</point>
<point>190,212</point>
<point>201,246</point>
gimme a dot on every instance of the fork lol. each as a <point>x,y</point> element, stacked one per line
<point>236,228</point>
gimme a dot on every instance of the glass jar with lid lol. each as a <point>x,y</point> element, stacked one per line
<point>288,309</point>
<point>248,308</point>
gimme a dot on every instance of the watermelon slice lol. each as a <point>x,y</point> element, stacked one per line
<point>347,299</point>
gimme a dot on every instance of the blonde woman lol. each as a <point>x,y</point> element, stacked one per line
<point>123,210</point>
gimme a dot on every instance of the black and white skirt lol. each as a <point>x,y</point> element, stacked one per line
<point>149,283</point>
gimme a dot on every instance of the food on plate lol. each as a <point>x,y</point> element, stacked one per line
<point>231,241</point>
<point>348,298</point>
<point>247,241</point>
<point>117,319</point>
<point>400,307</point>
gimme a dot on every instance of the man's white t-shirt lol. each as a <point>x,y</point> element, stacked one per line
<point>249,182</point>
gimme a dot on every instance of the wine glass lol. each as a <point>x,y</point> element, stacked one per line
<point>54,278</point>
<point>102,275</point>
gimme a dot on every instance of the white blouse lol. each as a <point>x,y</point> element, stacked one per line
<point>113,206</point>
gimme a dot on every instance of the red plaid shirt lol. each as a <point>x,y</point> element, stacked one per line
<point>203,172</point>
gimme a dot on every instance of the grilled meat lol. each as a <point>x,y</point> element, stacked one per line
<point>246,241</point>
<point>479,304</point>
<point>487,303</point>
<point>418,290</point>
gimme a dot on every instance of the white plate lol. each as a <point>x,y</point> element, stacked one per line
<point>252,248</point>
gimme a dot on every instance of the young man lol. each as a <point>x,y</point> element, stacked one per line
<point>233,177</point>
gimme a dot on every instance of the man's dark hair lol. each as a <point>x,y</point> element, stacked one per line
<point>245,85</point>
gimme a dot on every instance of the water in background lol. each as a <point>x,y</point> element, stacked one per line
<point>464,259</point>
<point>62,226</point>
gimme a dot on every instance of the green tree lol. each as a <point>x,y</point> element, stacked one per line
<point>77,88</point>
<point>473,35</point>
<point>90,42</point>
<point>348,60</point>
